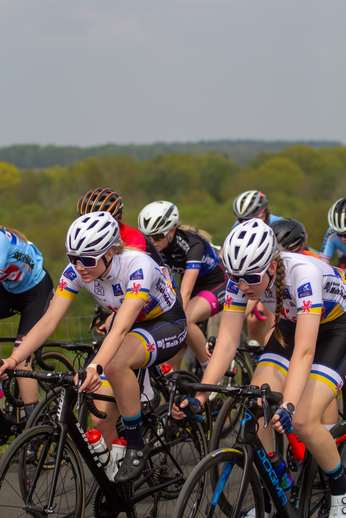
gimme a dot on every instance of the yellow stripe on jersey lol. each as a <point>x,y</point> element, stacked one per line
<point>66,293</point>
<point>335,313</point>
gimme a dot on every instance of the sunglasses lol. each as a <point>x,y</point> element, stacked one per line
<point>341,235</point>
<point>86,261</point>
<point>251,278</point>
<point>157,237</point>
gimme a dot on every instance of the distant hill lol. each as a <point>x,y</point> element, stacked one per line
<point>32,156</point>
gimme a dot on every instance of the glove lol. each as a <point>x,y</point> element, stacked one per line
<point>192,409</point>
<point>285,419</point>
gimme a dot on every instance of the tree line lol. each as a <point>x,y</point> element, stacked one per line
<point>300,182</point>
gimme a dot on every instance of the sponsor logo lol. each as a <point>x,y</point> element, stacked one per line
<point>138,274</point>
<point>24,258</point>
<point>232,288</point>
<point>287,294</point>
<point>268,294</point>
<point>98,288</point>
<point>117,291</point>
<point>304,290</point>
<point>69,273</point>
<point>272,475</point>
<point>151,348</point>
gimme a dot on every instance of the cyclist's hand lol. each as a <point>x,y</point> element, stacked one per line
<point>92,381</point>
<point>208,352</point>
<point>100,328</point>
<point>282,421</point>
<point>8,364</point>
<point>189,407</point>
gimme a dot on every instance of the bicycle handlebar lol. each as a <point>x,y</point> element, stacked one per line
<point>99,314</point>
<point>268,397</point>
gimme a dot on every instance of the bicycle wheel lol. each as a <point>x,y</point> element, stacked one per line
<point>220,474</point>
<point>26,474</point>
<point>186,442</point>
<point>45,413</point>
<point>318,496</point>
<point>228,424</point>
<point>60,362</point>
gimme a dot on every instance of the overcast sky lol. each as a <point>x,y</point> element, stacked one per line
<point>89,72</point>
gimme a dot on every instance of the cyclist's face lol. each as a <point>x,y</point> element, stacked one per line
<point>164,242</point>
<point>254,291</point>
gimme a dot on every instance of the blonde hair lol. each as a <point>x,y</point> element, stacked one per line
<point>20,235</point>
<point>120,248</point>
<point>202,233</point>
<point>280,287</point>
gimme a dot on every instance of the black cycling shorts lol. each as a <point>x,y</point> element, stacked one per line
<point>329,364</point>
<point>31,304</point>
<point>212,287</point>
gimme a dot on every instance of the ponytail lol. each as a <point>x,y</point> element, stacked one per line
<point>20,235</point>
<point>202,233</point>
<point>280,286</point>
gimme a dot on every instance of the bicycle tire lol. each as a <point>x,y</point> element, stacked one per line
<point>227,426</point>
<point>318,498</point>
<point>26,477</point>
<point>45,413</point>
<point>219,494</point>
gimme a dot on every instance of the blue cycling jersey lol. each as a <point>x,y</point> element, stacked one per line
<point>272,218</point>
<point>21,264</point>
<point>331,242</point>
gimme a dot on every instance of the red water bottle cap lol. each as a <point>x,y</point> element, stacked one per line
<point>120,441</point>
<point>166,368</point>
<point>93,436</point>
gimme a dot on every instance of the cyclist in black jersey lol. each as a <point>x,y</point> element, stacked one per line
<point>189,253</point>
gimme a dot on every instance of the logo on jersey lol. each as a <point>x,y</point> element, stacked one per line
<point>135,289</point>
<point>117,291</point>
<point>327,286</point>
<point>268,294</point>
<point>304,290</point>
<point>98,288</point>
<point>228,301</point>
<point>62,285</point>
<point>287,294</point>
<point>70,273</point>
<point>232,288</point>
<point>306,308</point>
<point>138,274</point>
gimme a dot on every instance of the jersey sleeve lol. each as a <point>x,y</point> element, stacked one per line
<point>135,238</point>
<point>140,279</point>
<point>235,300</point>
<point>194,256</point>
<point>307,283</point>
<point>68,286</point>
<point>5,246</point>
<point>331,242</point>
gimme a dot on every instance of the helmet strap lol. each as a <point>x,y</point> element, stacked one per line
<point>106,263</point>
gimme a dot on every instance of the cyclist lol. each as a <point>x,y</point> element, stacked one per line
<point>27,288</point>
<point>248,205</point>
<point>189,253</point>
<point>305,355</point>
<point>335,238</point>
<point>149,324</point>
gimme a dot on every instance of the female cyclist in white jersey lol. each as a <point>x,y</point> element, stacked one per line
<point>149,324</point>
<point>305,355</point>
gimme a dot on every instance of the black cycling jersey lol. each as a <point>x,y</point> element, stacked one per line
<point>189,250</point>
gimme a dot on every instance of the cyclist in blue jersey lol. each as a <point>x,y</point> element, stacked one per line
<point>254,204</point>
<point>335,238</point>
<point>189,253</point>
<point>25,287</point>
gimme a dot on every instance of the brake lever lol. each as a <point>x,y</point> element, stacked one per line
<point>80,395</point>
<point>172,394</point>
<point>265,407</point>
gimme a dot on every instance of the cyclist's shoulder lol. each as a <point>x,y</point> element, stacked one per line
<point>132,236</point>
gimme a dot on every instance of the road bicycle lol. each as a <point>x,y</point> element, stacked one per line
<point>228,482</point>
<point>53,482</point>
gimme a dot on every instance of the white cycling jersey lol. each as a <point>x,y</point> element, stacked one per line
<point>133,275</point>
<point>311,286</point>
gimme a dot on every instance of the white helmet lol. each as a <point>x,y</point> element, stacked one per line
<point>337,216</point>
<point>249,204</point>
<point>158,217</point>
<point>249,247</point>
<point>92,234</point>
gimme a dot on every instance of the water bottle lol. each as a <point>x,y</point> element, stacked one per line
<point>98,443</point>
<point>279,465</point>
<point>117,454</point>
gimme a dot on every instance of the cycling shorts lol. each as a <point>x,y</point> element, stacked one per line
<point>31,304</point>
<point>329,364</point>
<point>212,287</point>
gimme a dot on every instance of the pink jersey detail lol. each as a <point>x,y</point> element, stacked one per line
<point>210,297</point>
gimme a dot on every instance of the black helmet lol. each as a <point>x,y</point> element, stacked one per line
<point>290,233</point>
<point>101,199</point>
